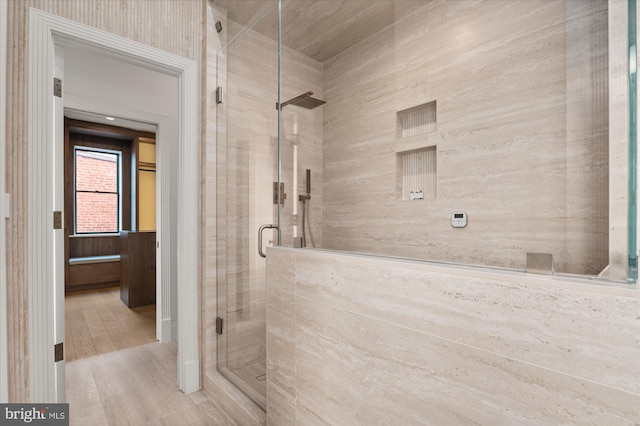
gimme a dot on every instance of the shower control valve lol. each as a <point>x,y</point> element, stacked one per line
<point>458,219</point>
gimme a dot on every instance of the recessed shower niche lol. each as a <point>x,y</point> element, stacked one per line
<point>416,120</point>
<point>416,154</point>
<point>417,174</point>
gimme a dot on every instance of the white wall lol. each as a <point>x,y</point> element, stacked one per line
<point>110,82</point>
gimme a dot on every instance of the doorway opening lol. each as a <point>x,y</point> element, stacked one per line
<point>110,238</point>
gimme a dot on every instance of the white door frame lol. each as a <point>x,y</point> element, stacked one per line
<point>44,30</point>
<point>4,210</point>
<point>56,186</point>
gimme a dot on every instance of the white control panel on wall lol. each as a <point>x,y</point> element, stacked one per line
<point>458,219</point>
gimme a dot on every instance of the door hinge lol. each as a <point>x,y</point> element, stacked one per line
<point>283,196</point>
<point>57,220</point>
<point>219,94</point>
<point>58,352</point>
<point>219,322</point>
<point>57,87</point>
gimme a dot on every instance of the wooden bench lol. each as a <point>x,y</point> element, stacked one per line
<point>92,272</point>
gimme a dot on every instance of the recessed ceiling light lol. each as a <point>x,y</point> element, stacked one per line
<point>110,118</point>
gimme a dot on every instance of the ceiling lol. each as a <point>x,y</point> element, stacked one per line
<point>101,119</point>
<point>321,29</point>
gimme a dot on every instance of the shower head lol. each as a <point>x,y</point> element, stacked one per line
<point>305,101</point>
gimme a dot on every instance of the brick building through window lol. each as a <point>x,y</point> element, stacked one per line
<point>97,191</point>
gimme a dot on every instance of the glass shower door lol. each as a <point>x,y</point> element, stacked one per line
<point>247,176</point>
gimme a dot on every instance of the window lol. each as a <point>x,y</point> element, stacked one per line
<point>97,191</point>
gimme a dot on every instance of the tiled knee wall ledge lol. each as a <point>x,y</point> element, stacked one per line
<point>361,340</point>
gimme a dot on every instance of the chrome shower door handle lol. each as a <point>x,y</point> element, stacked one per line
<point>262,228</point>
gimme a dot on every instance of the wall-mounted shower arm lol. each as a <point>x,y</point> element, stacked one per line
<point>305,101</point>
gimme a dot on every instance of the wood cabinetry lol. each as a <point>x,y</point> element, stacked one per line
<point>94,262</point>
<point>138,268</point>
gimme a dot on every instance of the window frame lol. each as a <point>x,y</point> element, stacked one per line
<point>119,194</point>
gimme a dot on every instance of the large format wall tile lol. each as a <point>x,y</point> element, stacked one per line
<point>587,334</point>
<point>362,370</point>
<point>521,134</point>
<point>281,361</point>
<point>281,409</point>
<point>390,341</point>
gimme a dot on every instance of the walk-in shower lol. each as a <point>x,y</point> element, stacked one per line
<point>498,112</point>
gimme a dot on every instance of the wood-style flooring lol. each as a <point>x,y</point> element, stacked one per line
<point>97,322</point>
<point>114,376</point>
<point>135,386</point>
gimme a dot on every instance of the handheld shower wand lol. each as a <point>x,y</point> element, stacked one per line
<point>305,205</point>
<point>306,197</point>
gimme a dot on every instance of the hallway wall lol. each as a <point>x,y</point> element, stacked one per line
<point>164,24</point>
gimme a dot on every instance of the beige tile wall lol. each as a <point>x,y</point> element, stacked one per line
<point>365,340</point>
<point>522,135</point>
<point>169,25</point>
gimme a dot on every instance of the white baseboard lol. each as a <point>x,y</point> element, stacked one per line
<point>192,376</point>
<point>165,331</point>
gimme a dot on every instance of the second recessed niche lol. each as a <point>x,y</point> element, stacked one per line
<point>416,120</point>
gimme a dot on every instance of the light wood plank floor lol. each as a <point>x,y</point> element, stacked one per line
<point>135,386</point>
<point>97,322</point>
